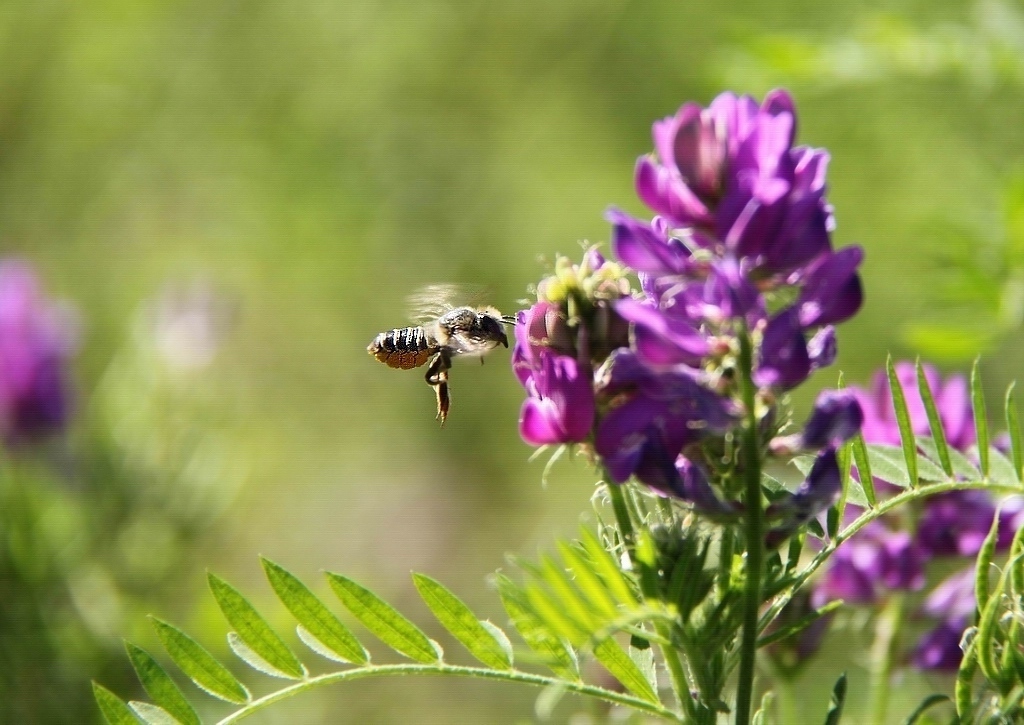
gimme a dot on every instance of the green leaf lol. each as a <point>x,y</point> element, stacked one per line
<point>152,714</point>
<point>555,655</point>
<point>252,658</point>
<point>114,709</point>
<point>835,708</point>
<point>554,616</point>
<point>319,628</point>
<point>458,619</point>
<point>588,580</point>
<point>899,403</point>
<point>159,685</point>
<point>607,568</point>
<point>889,464</point>
<point>934,421</point>
<point>962,465</point>
<point>253,630</point>
<point>980,421</point>
<point>548,700</point>
<point>986,637</point>
<point>1013,428</point>
<point>617,662</point>
<point>1000,467</point>
<point>800,625</point>
<point>199,665</point>
<point>384,621</point>
<point>928,703</point>
<point>1016,563</point>
<point>866,479</point>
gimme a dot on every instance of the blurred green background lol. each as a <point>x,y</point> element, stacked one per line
<point>306,165</point>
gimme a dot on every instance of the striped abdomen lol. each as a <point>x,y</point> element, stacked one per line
<point>403,348</point>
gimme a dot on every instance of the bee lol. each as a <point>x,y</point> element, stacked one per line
<point>447,332</point>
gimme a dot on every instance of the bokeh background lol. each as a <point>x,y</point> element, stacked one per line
<point>235,197</point>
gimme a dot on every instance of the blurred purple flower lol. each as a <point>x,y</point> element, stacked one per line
<point>874,560</point>
<point>37,338</point>
<point>957,522</point>
<point>953,603</point>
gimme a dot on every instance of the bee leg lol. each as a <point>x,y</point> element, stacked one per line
<point>437,378</point>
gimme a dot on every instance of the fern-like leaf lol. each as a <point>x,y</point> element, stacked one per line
<point>384,621</point>
<point>159,685</point>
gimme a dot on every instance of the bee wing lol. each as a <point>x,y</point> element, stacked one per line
<point>430,302</point>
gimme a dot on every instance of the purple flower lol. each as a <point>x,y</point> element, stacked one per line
<point>731,170</point>
<point>36,342</point>
<point>784,362</point>
<point>655,416</point>
<point>560,406</point>
<point>819,490</point>
<point>837,417</point>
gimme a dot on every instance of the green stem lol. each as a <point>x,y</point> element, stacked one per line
<point>622,518</point>
<point>751,458</point>
<point>677,674</point>
<point>883,651</point>
<point>528,678</point>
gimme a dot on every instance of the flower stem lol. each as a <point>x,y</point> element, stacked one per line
<point>751,461</point>
<point>883,651</point>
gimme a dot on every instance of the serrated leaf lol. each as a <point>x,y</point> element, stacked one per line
<point>199,665</point>
<point>556,656</point>
<point>980,420</point>
<point>906,427</point>
<point>588,580</point>
<point>333,639</point>
<point>934,421</point>
<point>962,465</point>
<point>159,685</point>
<point>1013,430</point>
<point>614,659</point>
<point>608,569</point>
<point>113,708</point>
<point>152,714</point>
<point>252,658</point>
<point>460,621</point>
<point>390,627</point>
<point>253,631</point>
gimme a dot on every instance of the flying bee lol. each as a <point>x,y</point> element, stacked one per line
<point>447,332</point>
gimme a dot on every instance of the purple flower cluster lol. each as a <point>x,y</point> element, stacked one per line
<point>36,340</point>
<point>882,558</point>
<point>740,248</point>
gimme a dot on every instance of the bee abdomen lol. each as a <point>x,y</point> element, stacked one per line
<point>402,348</point>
